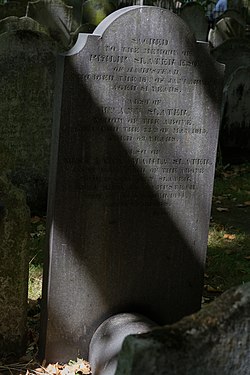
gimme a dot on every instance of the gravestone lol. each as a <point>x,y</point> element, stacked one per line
<point>215,341</point>
<point>27,63</point>
<point>226,28</point>
<point>56,16</point>
<point>235,124</point>
<point>14,23</point>
<point>77,12</point>
<point>14,268</point>
<point>134,146</point>
<point>234,14</point>
<point>234,53</point>
<point>194,15</point>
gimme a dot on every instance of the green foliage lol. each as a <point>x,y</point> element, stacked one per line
<point>94,11</point>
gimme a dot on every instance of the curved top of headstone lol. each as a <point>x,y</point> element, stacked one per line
<point>27,42</point>
<point>14,23</point>
<point>159,18</point>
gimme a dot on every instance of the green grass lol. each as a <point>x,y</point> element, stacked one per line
<point>228,257</point>
<point>36,249</point>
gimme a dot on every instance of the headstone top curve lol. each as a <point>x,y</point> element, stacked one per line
<point>110,19</point>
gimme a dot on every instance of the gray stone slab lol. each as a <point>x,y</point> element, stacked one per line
<point>135,137</point>
<point>215,341</point>
<point>56,16</point>
<point>194,15</point>
<point>27,64</point>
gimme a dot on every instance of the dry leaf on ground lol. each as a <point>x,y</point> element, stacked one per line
<point>228,236</point>
<point>222,209</point>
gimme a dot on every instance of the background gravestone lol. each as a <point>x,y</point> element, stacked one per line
<point>225,28</point>
<point>233,14</point>
<point>56,16</point>
<point>14,23</point>
<point>27,63</point>
<point>134,146</point>
<point>194,15</point>
<point>235,132</point>
<point>14,232</point>
<point>234,53</point>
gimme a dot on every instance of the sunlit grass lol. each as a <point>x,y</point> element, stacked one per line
<point>36,251</point>
<point>35,281</point>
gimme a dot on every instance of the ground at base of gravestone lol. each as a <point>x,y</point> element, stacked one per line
<point>228,264</point>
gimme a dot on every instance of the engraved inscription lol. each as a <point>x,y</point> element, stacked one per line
<point>151,82</point>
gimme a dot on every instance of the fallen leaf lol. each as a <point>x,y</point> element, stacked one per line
<point>247,257</point>
<point>35,219</point>
<point>222,209</point>
<point>210,288</point>
<point>228,236</point>
<point>40,370</point>
<point>51,369</point>
<point>247,203</point>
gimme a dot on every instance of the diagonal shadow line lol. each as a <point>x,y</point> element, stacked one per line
<point>163,293</point>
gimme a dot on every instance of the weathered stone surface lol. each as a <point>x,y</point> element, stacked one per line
<point>194,16</point>
<point>14,230</point>
<point>55,16</point>
<point>215,341</point>
<point>107,340</point>
<point>14,23</point>
<point>27,64</point>
<point>136,127</point>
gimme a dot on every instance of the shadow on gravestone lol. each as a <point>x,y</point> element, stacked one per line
<point>133,159</point>
<point>194,16</point>
<point>27,63</point>
<point>215,341</point>
<point>14,267</point>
